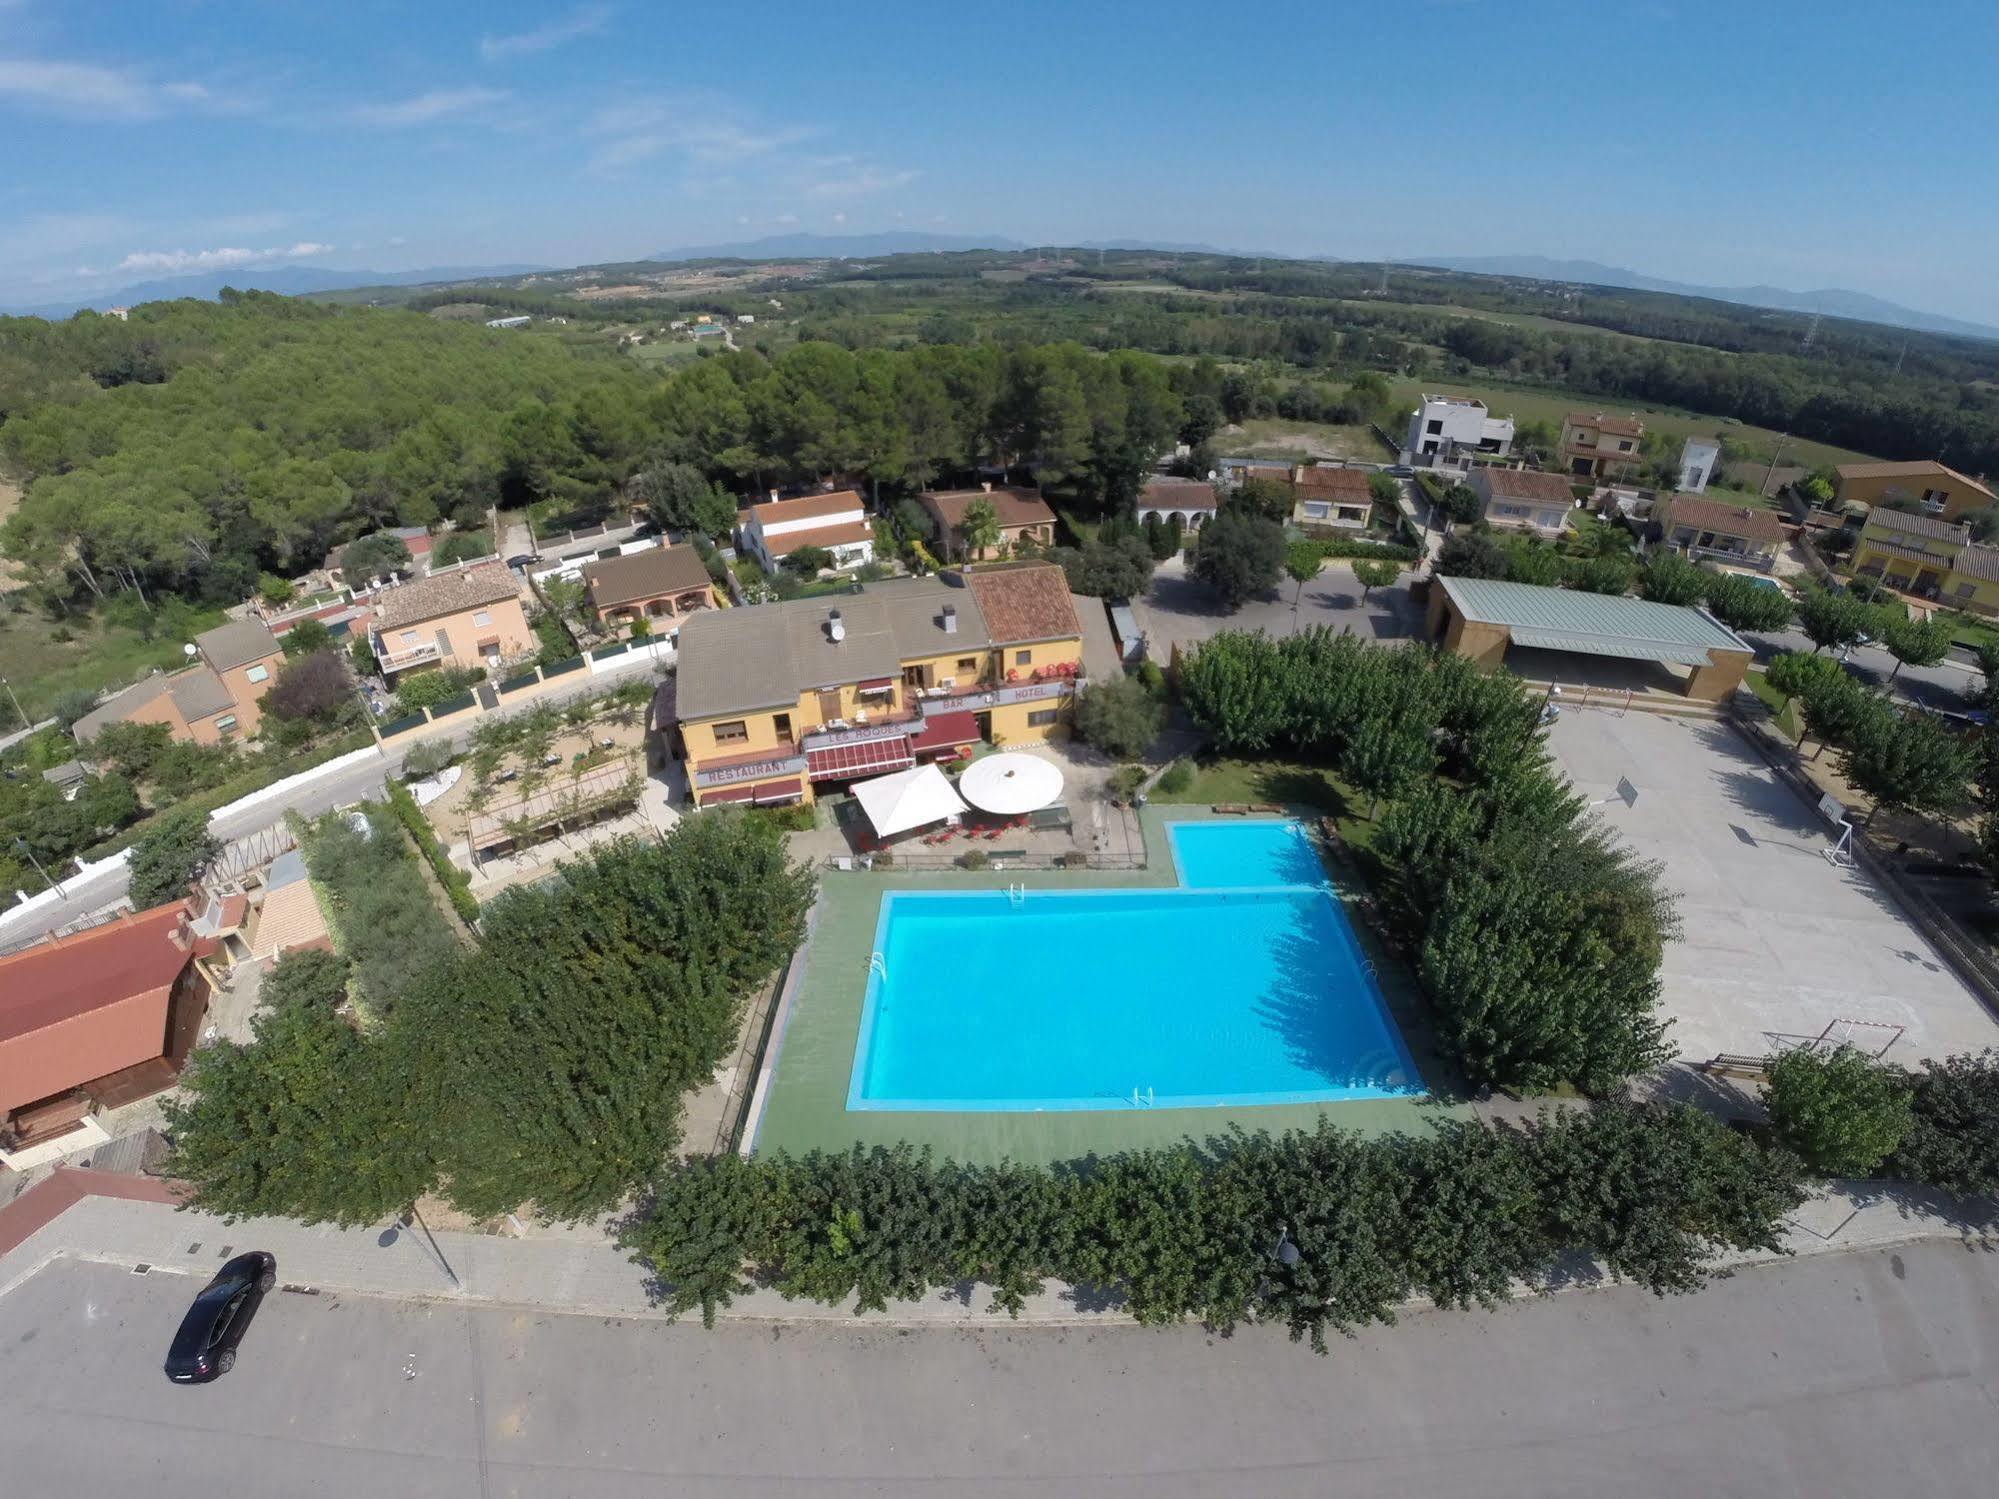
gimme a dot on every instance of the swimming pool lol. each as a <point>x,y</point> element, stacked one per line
<point>1244,986</point>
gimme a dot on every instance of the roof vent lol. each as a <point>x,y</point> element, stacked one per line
<point>836,628</point>
<point>950,619</point>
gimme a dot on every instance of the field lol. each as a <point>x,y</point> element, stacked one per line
<point>1278,438</point>
<point>1532,403</point>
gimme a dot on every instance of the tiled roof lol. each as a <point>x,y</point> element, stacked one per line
<point>1179,494</point>
<point>1923,469</point>
<point>237,643</point>
<point>786,542</point>
<point>806,507</point>
<point>1932,527</point>
<point>199,693</point>
<point>56,981</point>
<point>1976,561</point>
<point>644,575</point>
<point>1025,601</point>
<point>1617,426</point>
<point>1337,483</point>
<point>1528,485</point>
<point>119,707</point>
<point>450,591</point>
<point>1014,507</point>
<point>1727,520</point>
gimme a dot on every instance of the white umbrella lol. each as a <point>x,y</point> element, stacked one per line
<point>907,799</point>
<point>1010,784</point>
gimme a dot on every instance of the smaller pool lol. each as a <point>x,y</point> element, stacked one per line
<point>1228,854</point>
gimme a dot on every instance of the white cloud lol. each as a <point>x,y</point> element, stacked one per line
<point>178,262</point>
<point>423,109</point>
<point>839,218</point>
<point>860,183</point>
<point>585,21</point>
<point>87,91</point>
<point>639,132</point>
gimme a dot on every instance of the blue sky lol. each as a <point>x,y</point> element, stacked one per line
<point>1804,145</point>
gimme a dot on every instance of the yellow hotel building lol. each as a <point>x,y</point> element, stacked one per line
<point>774,699</point>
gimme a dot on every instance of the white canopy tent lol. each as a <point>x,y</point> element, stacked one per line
<point>1011,783</point>
<point>907,799</point>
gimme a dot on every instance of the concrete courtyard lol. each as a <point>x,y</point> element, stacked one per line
<point>1779,942</point>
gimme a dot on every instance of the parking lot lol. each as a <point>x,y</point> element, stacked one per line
<point>1779,942</point>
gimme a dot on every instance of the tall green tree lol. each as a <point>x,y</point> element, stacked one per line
<point>1238,555</point>
<point>1908,764</point>
<point>168,856</point>
<point>1119,717</point>
<point>1917,642</point>
<point>980,528</point>
<point>1831,618</point>
<point>1743,604</point>
<point>1840,1112</point>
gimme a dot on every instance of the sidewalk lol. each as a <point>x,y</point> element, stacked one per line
<point>579,1276</point>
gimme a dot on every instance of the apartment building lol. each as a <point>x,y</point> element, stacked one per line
<point>774,700</point>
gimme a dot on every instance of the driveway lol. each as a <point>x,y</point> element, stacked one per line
<point>1856,1374</point>
<point>1178,610</point>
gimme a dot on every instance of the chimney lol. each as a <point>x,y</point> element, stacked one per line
<point>986,485</point>
<point>836,628</point>
<point>950,619</point>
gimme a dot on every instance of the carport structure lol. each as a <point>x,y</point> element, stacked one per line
<point>1481,617</point>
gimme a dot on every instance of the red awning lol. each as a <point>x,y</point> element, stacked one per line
<point>877,684</point>
<point>839,761</point>
<point>755,791</point>
<point>946,731</point>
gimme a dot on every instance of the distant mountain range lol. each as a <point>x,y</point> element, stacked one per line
<point>1833,302</point>
<point>288,280</point>
<point>839,246</point>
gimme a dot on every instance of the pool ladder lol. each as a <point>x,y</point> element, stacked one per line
<point>1016,894</point>
<point>878,964</point>
<point>1141,1103</point>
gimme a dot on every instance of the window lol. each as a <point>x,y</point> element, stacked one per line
<point>409,637</point>
<point>782,722</point>
<point>1624,447</point>
<point>226,724</point>
<point>1041,718</point>
<point>1023,658</point>
<point>733,732</point>
<point>1585,439</point>
<point>1316,509</point>
<point>482,617</point>
<point>968,663</point>
<point>1935,499</point>
<point>257,674</point>
<point>1966,590</point>
<point>1436,425</point>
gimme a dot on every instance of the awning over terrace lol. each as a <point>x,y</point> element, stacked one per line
<point>945,731</point>
<point>837,762</point>
<point>760,793</point>
<point>908,799</point>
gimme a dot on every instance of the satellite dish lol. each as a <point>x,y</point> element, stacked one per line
<point>190,649</point>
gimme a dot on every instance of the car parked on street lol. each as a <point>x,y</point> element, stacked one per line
<point>206,1344</point>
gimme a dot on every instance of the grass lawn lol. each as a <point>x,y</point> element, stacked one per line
<point>1528,403</point>
<point>1282,782</point>
<point>1969,629</point>
<point>1300,442</point>
<point>40,668</point>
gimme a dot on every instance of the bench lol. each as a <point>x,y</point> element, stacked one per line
<point>1729,1064</point>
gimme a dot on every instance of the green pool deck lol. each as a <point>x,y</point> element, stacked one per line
<point>806,1104</point>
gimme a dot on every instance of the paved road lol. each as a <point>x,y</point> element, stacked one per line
<point>1843,1375</point>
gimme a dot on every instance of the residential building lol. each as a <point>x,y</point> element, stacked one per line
<point>1192,502</point>
<point>1932,488</point>
<point>287,918</point>
<point>416,538</point>
<point>658,585</point>
<point>95,1020</point>
<point>1728,533</point>
<point>775,699</point>
<point>1451,430</point>
<point>1599,446</point>
<point>1022,514</point>
<point>518,320</point>
<point>1482,618</point>
<point>1698,458</point>
<point>1522,499</point>
<point>836,523</point>
<point>464,616</point>
<point>219,697</point>
<point>1929,557</point>
<point>1327,495</point>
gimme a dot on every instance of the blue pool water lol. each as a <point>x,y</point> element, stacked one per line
<point>1244,986</point>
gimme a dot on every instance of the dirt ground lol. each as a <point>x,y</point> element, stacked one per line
<point>449,814</point>
<point>12,575</point>
<point>1259,437</point>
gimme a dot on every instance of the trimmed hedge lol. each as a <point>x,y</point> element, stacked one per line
<point>1374,551</point>
<point>457,883</point>
<point>1650,1193</point>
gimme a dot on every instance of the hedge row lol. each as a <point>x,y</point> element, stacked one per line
<point>457,883</point>
<point>1314,1230</point>
<point>1382,551</point>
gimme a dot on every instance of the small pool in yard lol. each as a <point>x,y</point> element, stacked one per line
<point>1244,986</point>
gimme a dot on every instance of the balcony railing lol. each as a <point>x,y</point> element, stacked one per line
<point>996,695</point>
<point>416,655</point>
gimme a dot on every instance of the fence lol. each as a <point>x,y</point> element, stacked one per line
<point>996,861</point>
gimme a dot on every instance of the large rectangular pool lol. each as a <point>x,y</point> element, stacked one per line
<point>1243,987</point>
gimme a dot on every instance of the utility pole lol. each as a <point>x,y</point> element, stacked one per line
<point>21,847</point>
<point>18,709</point>
<point>1772,469</point>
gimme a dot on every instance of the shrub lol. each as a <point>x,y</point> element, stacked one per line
<point>1177,778</point>
<point>1153,678</point>
<point>427,759</point>
<point>1953,1136</point>
<point>1125,781</point>
<point>973,858</point>
<point>1119,716</point>
<point>456,882</point>
<point>168,855</point>
<point>1842,1114</point>
<point>70,705</point>
<point>1074,858</point>
<point>305,637</point>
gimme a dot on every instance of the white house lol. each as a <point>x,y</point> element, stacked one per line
<point>521,320</point>
<point>1448,429</point>
<point>1697,464</point>
<point>836,522</point>
<point>1190,501</point>
<point>746,317</point>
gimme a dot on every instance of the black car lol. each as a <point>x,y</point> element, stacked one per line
<point>205,1346</point>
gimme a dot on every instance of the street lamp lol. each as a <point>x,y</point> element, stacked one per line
<point>21,712</point>
<point>21,847</point>
<point>1284,1251</point>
